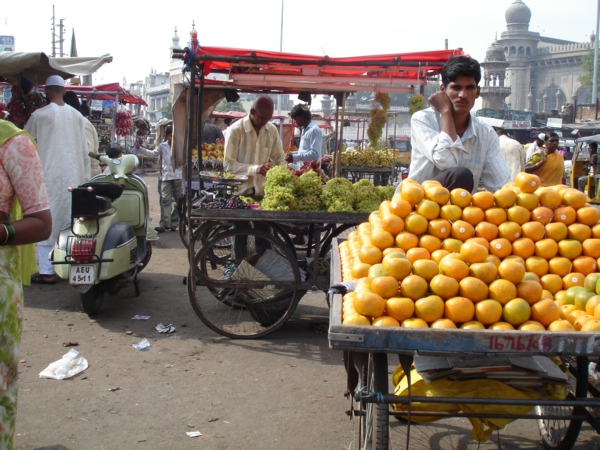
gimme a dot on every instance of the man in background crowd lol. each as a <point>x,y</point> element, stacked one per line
<point>513,153</point>
<point>311,140</point>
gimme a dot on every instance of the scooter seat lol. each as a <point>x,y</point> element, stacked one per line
<point>105,189</point>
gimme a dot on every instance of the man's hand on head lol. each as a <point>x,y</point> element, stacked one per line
<point>440,101</point>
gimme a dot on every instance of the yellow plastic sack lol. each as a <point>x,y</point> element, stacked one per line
<point>482,428</point>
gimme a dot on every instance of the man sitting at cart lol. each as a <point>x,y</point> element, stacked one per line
<point>253,146</point>
<point>311,141</point>
<point>449,143</point>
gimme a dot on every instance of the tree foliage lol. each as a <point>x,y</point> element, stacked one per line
<point>225,106</point>
<point>587,65</point>
<point>416,103</point>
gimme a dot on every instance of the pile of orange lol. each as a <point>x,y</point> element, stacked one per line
<point>514,259</point>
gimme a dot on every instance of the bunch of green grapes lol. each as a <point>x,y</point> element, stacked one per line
<point>366,196</point>
<point>338,195</point>
<point>307,189</point>
<point>279,176</point>
<point>279,198</point>
<point>386,192</point>
<point>371,157</point>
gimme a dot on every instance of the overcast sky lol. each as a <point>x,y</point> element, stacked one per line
<point>138,34</point>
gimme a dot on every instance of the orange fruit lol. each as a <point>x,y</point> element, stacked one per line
<point>530,291</point>
<point>579,232</point>
<point>414,322</point>
<point>429,242</point>
<point>588,215</point>
<point>359,270</point>
<point>591,326</point>
<point>551,282</point>
<point>573,197</point>
<point>501,326</point>
<point>537,265</point>
<point>570,248</point>
<point>370,254</point>
<point>406,240</point>
<point>596,230</point>
<point>573,279</point>
<point>573,315</point>
<point>356,319</point>
<point>495,215</point>
<point>549,198</point>
<point>425,268</point>
<point>486,230</point>
<point>591,280</point>
<point>454,267</point>
<point>483,199</point>
<point>472,325</point>
<point>399,206</point>
<point>581,320</point>
<point>440,228</point>
<point>557,231</point>
<point>531,325</point>
<point>462,230</point>
<point>560,325</point>
<point>509,230</point>
<point>479,240</point>
<point>505,197</point>
<point>396,266</point>
<point>486,271</point>
<point>502,290</point>
<point>585,265</point>
<point>546,248</point>
<point>516,311</point>
<point>542,214</point>
<point>459,309</point>
<point>527,182</point>
<point>528,200</point>
<point>565,310</point>
<point>511,271</point>
<point>428,209</point>
<point>514,258</point>
<point>533,230</point>
<point>430,308</point>
<point>523,247</point>
<point>488,311</point>
<point>392,223</point>
<point>501,247</point>
<point>400,308</point>
<point>581,299</point>
<point>569,297</point>
<point>376,270</point>
<point>473,252</point>
<point>531,276</point>
<point>437,255</point>
<point>472,215</point>
<point>438,194</point>
<point>430,183</point>
<point>444,286</point>
<point>473,288</point>
<point>413,286</point>
<point>443,323</point>
<point>518,214</point>
<point>381,239</point>
<point>450,212</point>
<point>415,223</point>
<point>413,193</point>
<point>416,253</point>
<point>565,214</point>
<point>591,247</point>
<point>389,250</point>
<point>452,245</point>
<point>385,321</point>
<point>386,286</point>
<point>591,304</point>
<point>460,197</point>
<point>369,304</point>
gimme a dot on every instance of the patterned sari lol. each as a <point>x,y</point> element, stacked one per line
<point>552,171</point>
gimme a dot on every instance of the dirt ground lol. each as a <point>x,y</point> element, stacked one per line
<point>282,392</point>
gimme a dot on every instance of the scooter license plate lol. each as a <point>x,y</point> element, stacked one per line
<point>82,274</point>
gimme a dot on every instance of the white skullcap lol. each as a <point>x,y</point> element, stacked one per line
<point>55,80</point>
<point>542,136</point>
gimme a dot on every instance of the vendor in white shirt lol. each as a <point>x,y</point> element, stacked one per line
<point>449,143</point>
<point>311,141</point>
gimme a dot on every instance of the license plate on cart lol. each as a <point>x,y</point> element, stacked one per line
<point>82,274</point>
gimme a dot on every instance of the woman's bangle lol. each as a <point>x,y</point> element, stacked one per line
<point>10,233</point>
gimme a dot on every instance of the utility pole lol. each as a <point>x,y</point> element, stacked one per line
<point>281,49</point>
<point>60,36</point>
<point>595,77</point>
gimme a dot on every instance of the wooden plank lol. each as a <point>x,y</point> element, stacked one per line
<point>305,217</point>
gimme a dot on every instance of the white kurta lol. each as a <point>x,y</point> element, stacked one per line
<point>61,135</point>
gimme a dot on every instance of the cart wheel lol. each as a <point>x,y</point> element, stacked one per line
<point>561,434</point>
<point>371,422</point>
<point>237,267</point>
<point>342,231</point>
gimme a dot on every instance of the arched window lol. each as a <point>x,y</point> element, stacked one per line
<point>513,51</point>
<point>521,51</point>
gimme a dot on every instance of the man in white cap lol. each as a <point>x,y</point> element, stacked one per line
<point>537,145</point>
<point>60,132</point>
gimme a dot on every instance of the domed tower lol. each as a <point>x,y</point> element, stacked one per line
<point>493,91</point>
<point>519,45</point>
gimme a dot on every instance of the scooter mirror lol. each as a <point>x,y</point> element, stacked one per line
<point>116,161</point>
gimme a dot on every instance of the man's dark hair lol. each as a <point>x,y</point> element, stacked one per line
<point>501,132</point>
<point>593,145</point>
<point>550,135</point>
<point>300,111</point>
<point>461,66</point>
<point>227,121</point>
<point>113,153</point>
<point>169,130</point>
<point>71,99</point>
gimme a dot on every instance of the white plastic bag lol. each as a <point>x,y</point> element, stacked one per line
<point>69,365</point>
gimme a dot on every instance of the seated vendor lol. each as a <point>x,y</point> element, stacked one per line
<point>594,166</point>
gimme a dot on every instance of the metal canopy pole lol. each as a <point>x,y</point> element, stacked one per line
<point>188,170</point>
<point>336,154</point>
<point>338,160</point>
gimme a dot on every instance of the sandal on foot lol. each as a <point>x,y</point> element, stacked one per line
<point>160,229</point>
<point>43,279</point>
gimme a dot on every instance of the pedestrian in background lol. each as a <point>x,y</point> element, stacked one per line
<point>513,153</point>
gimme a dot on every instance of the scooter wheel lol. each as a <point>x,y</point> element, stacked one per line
<point>91,301</point>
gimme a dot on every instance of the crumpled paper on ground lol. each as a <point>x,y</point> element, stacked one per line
<point>69,365</point>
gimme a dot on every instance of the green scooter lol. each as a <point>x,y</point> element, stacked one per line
<point>109,240</point>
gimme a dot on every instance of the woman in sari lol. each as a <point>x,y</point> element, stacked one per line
<point>24,219</point>
<point>551,168</point>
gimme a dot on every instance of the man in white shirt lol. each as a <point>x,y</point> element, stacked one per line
<point>451,145</point>
<point>513,153</point>
<point>253,146</point>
